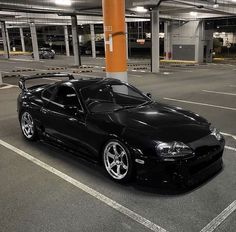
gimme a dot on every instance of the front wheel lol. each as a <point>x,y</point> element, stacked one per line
<point>28,126</point>
<point>117,161</point>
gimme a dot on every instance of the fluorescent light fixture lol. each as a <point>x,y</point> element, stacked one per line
<point>216,5</point>
<point>193,13</point>
<point>63,2</point>
<point>140,9</point>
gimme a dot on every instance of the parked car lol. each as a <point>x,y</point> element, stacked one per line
<point>114,123</point>
<point>46,53</point>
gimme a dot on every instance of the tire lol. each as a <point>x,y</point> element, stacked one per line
<point>28,126</point>
<point>118,162</point>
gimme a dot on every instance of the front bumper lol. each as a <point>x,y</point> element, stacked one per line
<point>184,171</point>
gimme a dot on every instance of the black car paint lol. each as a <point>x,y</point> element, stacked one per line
<point>138,128</point>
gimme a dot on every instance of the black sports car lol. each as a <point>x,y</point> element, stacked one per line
<point>114,123</point>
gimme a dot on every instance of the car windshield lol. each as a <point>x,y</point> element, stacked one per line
<point>112,97</point>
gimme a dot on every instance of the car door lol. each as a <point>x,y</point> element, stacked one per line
<point>65,119</point>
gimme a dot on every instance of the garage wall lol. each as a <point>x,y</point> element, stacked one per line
<point>183,52</point>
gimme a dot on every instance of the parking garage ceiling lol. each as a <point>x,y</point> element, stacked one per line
<point>89,11</point>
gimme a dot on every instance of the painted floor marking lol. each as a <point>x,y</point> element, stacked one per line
<point>232,86</point>
<point>25,60</point>
<point>113,204</point>
<point>8,86</point>
<point>230,135</point>
<point>220,218</point>
<point>223,93</point>
<point>199,103</point>
<point>230,148</point>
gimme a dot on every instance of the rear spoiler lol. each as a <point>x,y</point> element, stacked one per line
<point>22,80</point>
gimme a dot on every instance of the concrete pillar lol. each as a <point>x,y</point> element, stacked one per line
<point>8,40</point>
<point>155,64</point>
<point>199,49</point>
<point>4,38</point>
<point>127,40</point>
<point>167,40</point>
<point>115,39</point>
<point>34,41</point>
<point>75,39</point>
<point>22,39</point>
<point>67,41</point>
<point>0,78</point>
<point>93,45</point>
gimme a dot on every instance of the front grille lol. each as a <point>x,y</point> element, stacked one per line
<point>201,165</point>
<point>206,150</point>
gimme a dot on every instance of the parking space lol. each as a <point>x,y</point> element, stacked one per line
<point>35,199</point>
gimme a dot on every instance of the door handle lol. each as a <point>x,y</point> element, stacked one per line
<point>44,111</point>
<point>72,119</point>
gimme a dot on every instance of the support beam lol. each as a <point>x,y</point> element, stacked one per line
<point>22,39</point>
<point>155,67</point>
<point>167,40</point>
<point>4,39</point>
<point>34,41</point>
<point>67,45</point>
<point>115,39</point>
<point>75,39</point>
<point>93,45</point>
<point>8,40</point>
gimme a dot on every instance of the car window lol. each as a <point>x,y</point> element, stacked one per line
<point>48,93</point>
<point>66,96</point>
<point>110,97</point>
<point>125,90</point>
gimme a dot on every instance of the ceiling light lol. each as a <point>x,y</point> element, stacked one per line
<point>140,9</point>
<point>216,5</point>
<point>63,2</point>
<point>192,13</point>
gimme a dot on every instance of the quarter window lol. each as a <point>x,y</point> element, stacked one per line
<point>48,93</point>
<point>66,96</point>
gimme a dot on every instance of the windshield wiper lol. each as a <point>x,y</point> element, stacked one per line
<point>124,108</point>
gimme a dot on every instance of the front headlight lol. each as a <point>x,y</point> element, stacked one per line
<point>216,133</point>
<point>174,149</point>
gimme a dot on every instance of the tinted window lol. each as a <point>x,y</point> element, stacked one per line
<point>66,96</point>
<point>110,97</point>
<point>48,93</point>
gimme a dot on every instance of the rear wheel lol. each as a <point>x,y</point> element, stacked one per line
<point>28,126</point>
<point>117,161</point>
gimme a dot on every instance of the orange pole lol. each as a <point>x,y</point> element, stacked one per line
<point>115,38</point>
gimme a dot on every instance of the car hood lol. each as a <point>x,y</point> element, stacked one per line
<point>163,122</point>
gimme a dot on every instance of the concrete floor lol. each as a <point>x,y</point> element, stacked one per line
<point>33,199</point>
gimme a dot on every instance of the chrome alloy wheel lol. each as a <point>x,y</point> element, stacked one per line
<point>27,125</point>
<point>116,160</point>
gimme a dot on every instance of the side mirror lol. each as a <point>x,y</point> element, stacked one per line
<point>149,95</point>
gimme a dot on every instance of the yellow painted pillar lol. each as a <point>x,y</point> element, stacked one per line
<point>115,39</point>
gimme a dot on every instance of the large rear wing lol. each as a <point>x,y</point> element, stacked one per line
<point>22,80</point>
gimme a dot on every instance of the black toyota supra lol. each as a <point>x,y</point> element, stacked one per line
<point>115,124</point>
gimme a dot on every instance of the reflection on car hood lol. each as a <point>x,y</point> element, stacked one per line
<point>163,121</point>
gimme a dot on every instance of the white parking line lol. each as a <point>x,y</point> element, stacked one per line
<point>8,86</point>
<point>220,218</point>
<point>230,135</point>
<point>223,93</point>
<point>200,103</point>
<point>113,204</point>
<point>230,148</point>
